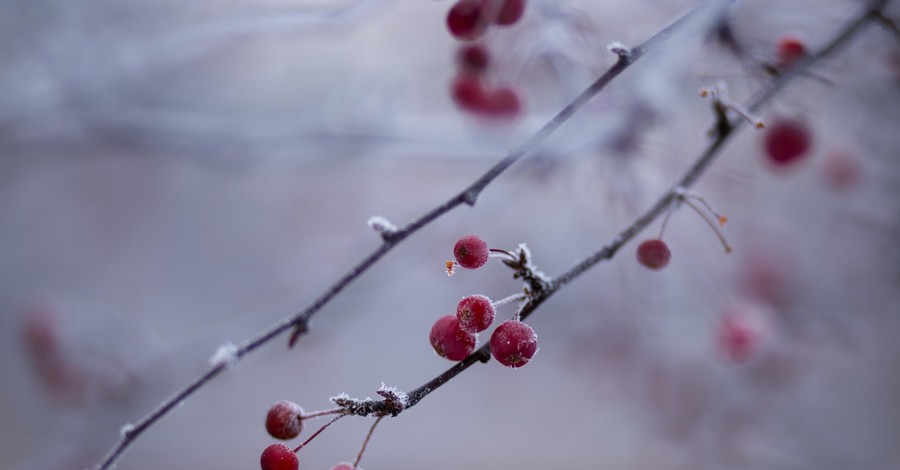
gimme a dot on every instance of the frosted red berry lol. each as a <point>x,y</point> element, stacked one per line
<point>283,420</point>
<point>513,343</point>
<point>279,457</point>
<point>786,142</point>
<point>449,339</point>
<point>469,91</point>
<point>466,20</point>
<point>510,12</point>
<point>789,49</point>
<point>475,313</point>
<point>471,252</point>
<point>473,58</point>
<point>345,466</point>
<point>502,102</point>
<point>740,333</point>
<point>654,254</point>
<point>842,170</point>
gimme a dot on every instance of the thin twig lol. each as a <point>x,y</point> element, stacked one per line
<point>319,431</point>
<point>469,196</point>
<point>725,129</point>
<point>366,442</point>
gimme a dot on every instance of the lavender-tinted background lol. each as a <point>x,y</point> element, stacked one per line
<point>177,175</point>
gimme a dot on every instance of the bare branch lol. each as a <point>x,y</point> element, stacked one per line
<point>725,129</point>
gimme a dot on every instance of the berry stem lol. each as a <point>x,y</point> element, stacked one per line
<point>509,299</point>
<point>366,441</point>
<point>665,222</point>
<point>712,225</point>
<point>319,431</point>
<point>320,413</point>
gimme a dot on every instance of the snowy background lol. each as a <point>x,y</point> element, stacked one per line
<point>178,175</point>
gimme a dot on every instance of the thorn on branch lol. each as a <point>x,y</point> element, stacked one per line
<point>300,329</point>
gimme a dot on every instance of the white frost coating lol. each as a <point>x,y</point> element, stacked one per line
<point>340,396</point>
<point>381,225</point>
<point>394,393</point>
<point>617,48</point>
<point>226,355</point>
<point>126,429</point>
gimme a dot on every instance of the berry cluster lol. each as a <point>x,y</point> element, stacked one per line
<point>454,337</point>
<point>284,421</point>
<point>469,20</point>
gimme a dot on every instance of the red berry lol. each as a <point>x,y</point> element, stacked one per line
<point>283,420</point>
<point>471,252</point>
<point>786,142</point>
<point>466,20</point>
<point>473,58</point>
<point>469,92</point>
<point>788,50</point>
<point>842,170</point>
<point>475,313</point>
<point>510,13</point>
<point>654,254</point>
<point>279,457</point>
<point>513,343</point>
<point>502,102</point>
<point>740,333</point>
<point>345,466</point>
<point>449,339</point>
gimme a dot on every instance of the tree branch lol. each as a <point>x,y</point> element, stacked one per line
<point>469,196</point>
<point>725,129</point>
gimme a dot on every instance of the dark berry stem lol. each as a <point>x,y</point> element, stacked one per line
<point>319,431</point>
<point>320,413</point>
<point>366,441</point>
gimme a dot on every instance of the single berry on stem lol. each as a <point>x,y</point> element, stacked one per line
<point>788,50</point>
<point>284,420</point>
<point>475,313</point>
<point>345,466</point>
<point>502,102</point>
<point>513,343</point>
<point>449,339</point>
<point>466,20</point>
<point>654,254</point>
<point>473,58</point>
<point>786,142</point>
<point>510,12</point>
<point>741,333</point>
<point>471,252</point>
<point>841,170</point>
<point>279,457</point>
<point>469,92</point>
